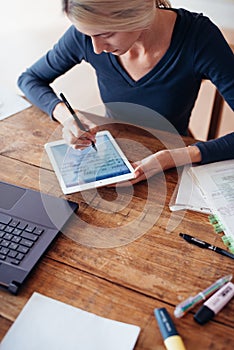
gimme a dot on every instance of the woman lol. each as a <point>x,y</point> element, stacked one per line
<point>145,53</point>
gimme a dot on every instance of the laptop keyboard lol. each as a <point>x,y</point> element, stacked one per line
<point>17,238</point>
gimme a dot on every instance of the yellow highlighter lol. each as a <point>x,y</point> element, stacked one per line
<point>171,337</point>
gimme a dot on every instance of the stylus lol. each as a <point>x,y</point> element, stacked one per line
<point>77,120</point>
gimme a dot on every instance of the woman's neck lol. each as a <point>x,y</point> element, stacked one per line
<point>150,47</point>
<point>157,37</point>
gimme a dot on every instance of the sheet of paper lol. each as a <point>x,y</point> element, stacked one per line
<point>11,103</point>
<point>47,324</point>
<point>187,195</point>
<point>216,181</point>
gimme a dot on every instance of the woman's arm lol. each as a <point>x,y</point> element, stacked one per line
<point>164,160</point>
<point>35,81</point>
<point>200,152</point>
<point>217,149</point>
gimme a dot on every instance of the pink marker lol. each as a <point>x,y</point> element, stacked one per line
<point>215,303</point>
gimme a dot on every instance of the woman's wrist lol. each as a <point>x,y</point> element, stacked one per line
<point>61,113</point>
<point>195,154</point>
<point>165,159</point>
<point>177,157</point>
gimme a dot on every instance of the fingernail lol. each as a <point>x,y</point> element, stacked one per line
<point>137,173</point>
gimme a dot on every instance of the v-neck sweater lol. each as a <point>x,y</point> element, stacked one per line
<point>165,96</point>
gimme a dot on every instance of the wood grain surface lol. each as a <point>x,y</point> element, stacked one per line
<point>120,256</point>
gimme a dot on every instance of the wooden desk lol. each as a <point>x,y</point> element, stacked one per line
<point>123,282</point>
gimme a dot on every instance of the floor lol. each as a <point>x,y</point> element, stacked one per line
<point>29,28</point>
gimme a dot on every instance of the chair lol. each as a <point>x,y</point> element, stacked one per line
<point>215,118</point>
<point>216,115</point>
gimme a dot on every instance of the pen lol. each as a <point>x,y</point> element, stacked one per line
<point>191,302</point>
<point>171,337</point>
<point>203,244</point>
<point>77,120</point>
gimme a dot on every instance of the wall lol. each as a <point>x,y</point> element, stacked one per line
<point>221,12</point>
<point>27,30</point>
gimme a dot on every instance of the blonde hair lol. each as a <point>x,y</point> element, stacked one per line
<point>113,15</point>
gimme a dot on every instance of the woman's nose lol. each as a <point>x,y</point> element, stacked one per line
<point>98,45</point>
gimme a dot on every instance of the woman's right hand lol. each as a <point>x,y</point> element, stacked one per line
<point>72,134</point>
<point>77,138</point>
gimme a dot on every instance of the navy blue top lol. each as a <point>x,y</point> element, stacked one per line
<point>197,51</point>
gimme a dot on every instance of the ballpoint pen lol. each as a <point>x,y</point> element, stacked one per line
<point>77,120</point>
<point>186,305</point>
<point>203,244</point>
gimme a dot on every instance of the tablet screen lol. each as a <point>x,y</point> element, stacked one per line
<point>87,167</point>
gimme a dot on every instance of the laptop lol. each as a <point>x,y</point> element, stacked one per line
<point>29,222</point>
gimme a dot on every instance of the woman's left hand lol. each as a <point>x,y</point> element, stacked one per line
<point>162,160</point>
<point>144,169</point>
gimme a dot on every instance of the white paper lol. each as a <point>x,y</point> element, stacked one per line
<point>216,181</point>
<point>48,324</point>
<point>11,103</point>
<point>187,195</point>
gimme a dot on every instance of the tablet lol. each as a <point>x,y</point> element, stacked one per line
<point>79,170</point>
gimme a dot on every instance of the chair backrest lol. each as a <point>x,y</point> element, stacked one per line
<point>216,115</point>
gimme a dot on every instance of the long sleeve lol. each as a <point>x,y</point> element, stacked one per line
<point>218,149</point>
<point>170,88</point>
<point>35,81</point>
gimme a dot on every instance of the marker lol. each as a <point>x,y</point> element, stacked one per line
<point>191,302</point>
<point>215,303</point>
<point>203,244</point>
<point>171,337</point>
<point>77,120</point>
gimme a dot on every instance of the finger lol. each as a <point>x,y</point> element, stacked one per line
<point>81,143</point>
<point>89,125</point>
<point>128,183</point>
<point>71,140</point>
<point>120,184</point>
<point>138,171</point>
<point>89,136</point>
<point>72,127</point>
<point>134,165</point>
<point>78,147</point>
<point>76,131</point>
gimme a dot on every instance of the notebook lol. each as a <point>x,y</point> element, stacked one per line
<point>216,181</point>
<point>29,222</point>
<point>47,324</point>
<point>187,195</point>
